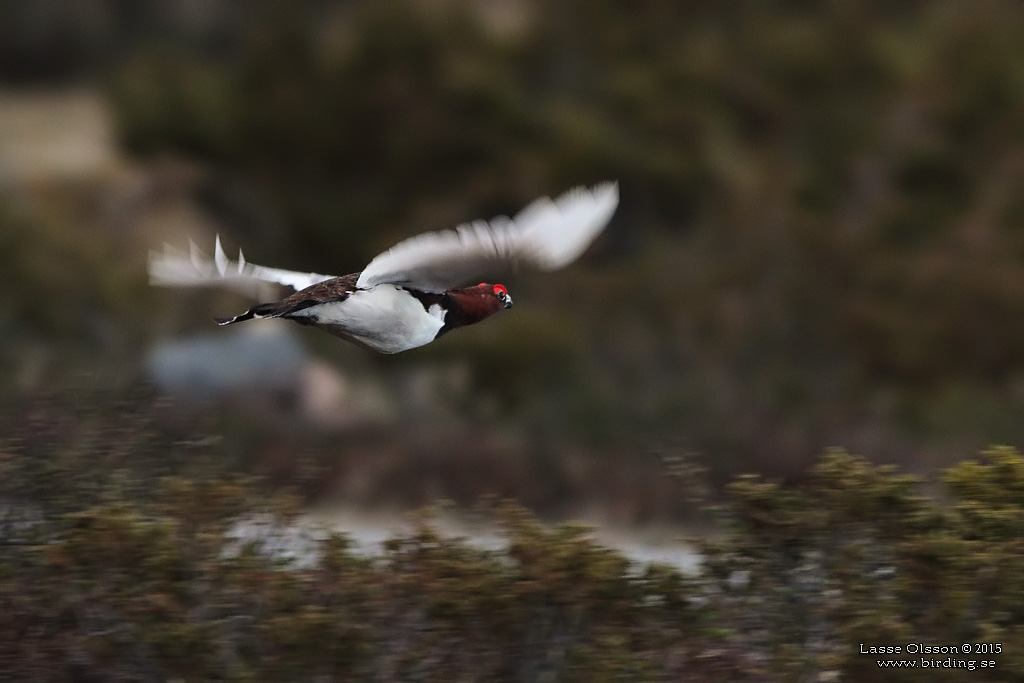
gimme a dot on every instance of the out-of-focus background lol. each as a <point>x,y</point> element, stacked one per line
<point>819,243</point>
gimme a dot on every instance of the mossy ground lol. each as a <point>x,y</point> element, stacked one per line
<point>119,563</point>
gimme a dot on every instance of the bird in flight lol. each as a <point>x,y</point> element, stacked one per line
<point>411,294</point>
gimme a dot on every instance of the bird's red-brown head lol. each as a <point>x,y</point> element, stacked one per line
<point>470,305</point>
<point>485,298</point>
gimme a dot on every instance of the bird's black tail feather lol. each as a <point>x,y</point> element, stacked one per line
<point>261,311</point>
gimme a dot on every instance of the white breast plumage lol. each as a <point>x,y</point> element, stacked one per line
<point>385,318</point>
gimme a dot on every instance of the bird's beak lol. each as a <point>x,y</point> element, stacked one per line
<point>508,301</point>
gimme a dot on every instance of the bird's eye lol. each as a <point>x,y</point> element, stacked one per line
<point>502,295</point>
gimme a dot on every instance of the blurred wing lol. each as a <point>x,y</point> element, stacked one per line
<point>546,235</point>
<point>174,268</point>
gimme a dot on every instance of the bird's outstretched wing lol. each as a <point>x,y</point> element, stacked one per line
<point>546,235</point>
<point>174,268</point>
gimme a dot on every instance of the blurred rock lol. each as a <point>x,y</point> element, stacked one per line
<point>331,400</point>
<point>227,362</point>
<point>47,134</point>
<point>265,361</point>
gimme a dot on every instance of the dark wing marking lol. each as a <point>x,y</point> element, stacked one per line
<point>335,289</point>
<point>428,299</point>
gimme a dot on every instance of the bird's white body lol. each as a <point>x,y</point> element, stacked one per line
<point>410,294</point>
<point>384,318</point>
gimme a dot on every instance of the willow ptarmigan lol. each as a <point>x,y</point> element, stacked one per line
<point>410,294</point>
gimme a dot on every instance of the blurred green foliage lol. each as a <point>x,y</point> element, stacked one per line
<point>818,241</point>
<point>67,317</point>
<point>119,561</point>
<point>819,237</point>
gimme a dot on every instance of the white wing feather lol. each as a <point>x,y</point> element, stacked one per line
<point>546,235</point>
<point>174,268</point>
